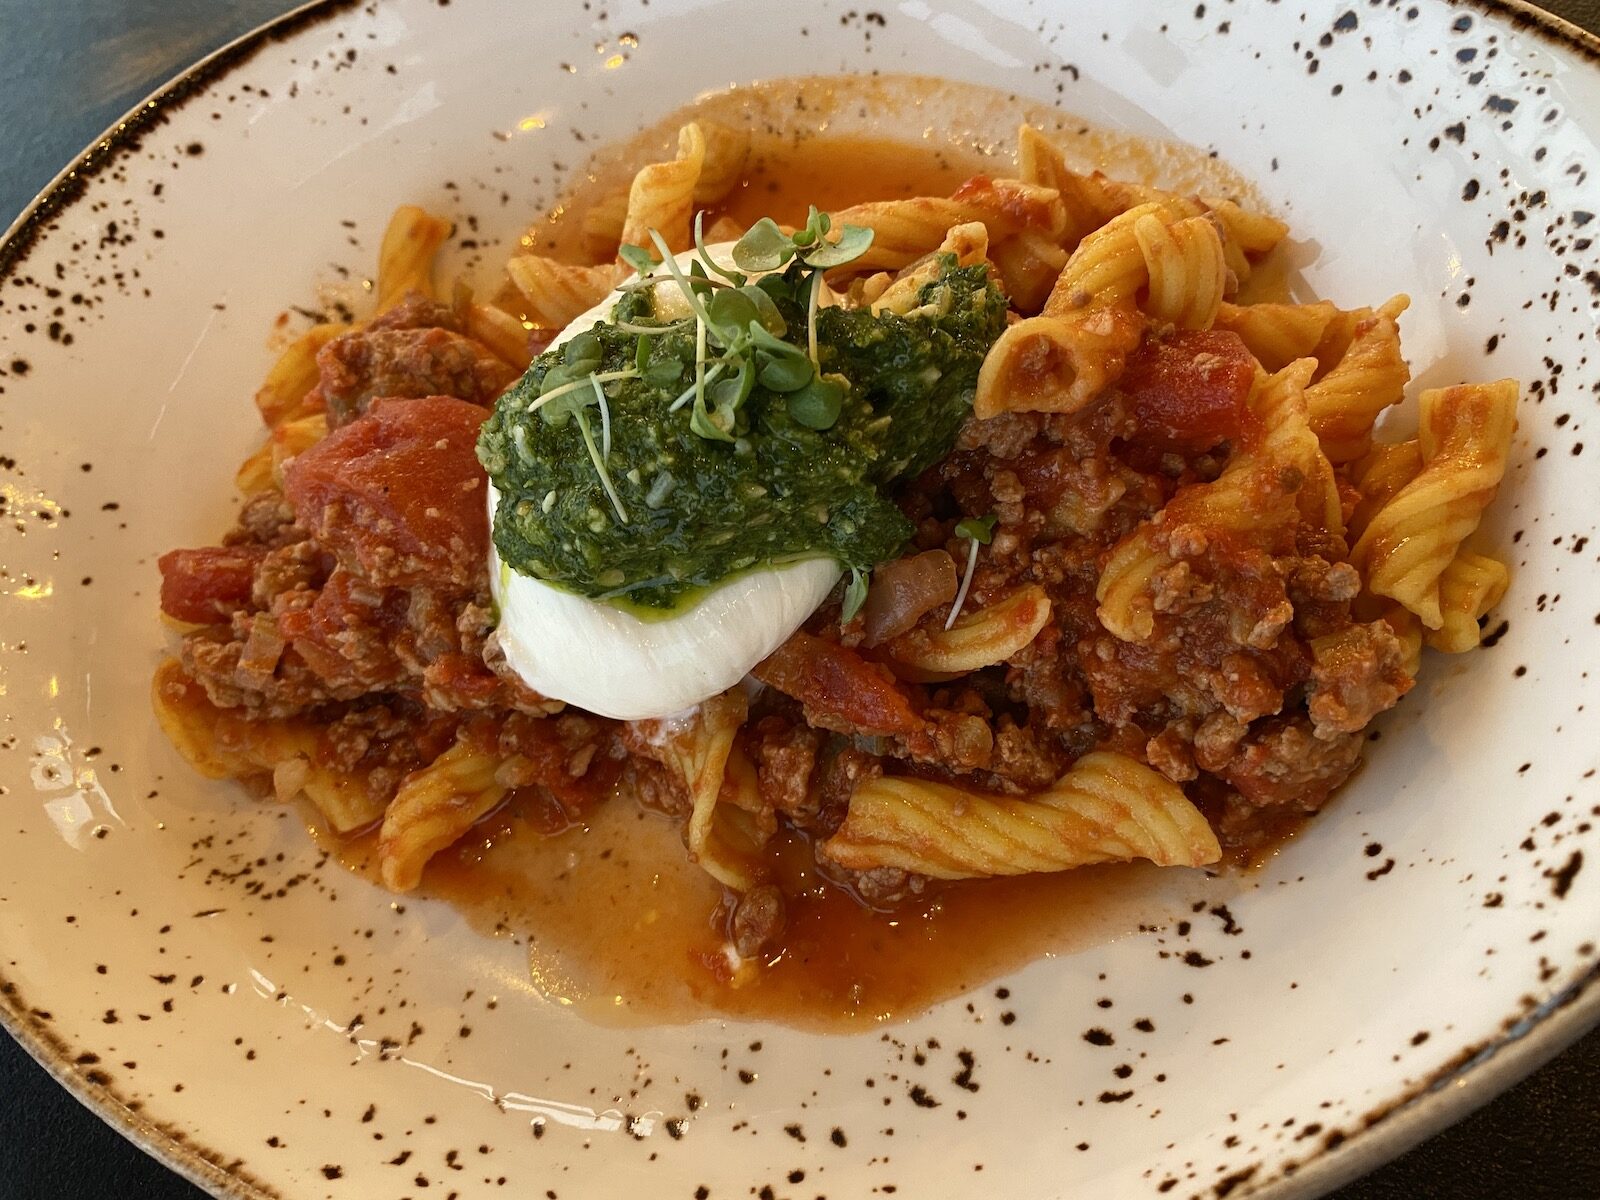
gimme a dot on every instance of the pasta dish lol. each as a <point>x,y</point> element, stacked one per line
<point>918,540</point>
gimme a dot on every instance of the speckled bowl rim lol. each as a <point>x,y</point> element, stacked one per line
<point>1474,1078</point>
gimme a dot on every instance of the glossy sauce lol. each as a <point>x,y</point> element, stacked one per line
<point>616,920</point>
<point>620,925</point>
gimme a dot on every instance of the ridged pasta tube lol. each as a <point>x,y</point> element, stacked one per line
<point>1055,363</point>
<point>1107,808</point>
<point>405,257</point>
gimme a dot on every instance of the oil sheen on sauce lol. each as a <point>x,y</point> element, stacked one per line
<point>616,921</point>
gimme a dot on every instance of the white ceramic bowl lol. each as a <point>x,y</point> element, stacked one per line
<point>199,971</point>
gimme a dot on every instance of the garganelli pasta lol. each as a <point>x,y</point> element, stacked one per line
<point>1149,590</point>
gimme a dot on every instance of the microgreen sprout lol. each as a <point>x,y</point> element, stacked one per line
<point>605,420</point>
<point>637,257</point>
<point>978,531</point>
<point>738,341</point>
<point>855,595</point>
<point>600,467</point>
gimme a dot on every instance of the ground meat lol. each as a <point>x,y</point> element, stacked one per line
<point>212,658</point>
<point>575,757</point>
<point>1216,739</point>
<point>1355,675</point>
<point>412,351</point>
<point>265,520</point>
<point>1282,762</point>
<point>296,566</point>
<point>880,887</point>
<point>757,921</point>
<point>653,786</point>
<point>785,756</point>
<point>841,772</point>
<point>1169,753</point>
<point>1030,759</point>
<point>416,311</point>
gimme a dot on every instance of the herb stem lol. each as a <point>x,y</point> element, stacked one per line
<point>966,582</point>
<point>688,393</point>
<point>600,467</point>
<point>605,419</point>
<point>556,393</point>
<point>650,330</point>
<point>811,320</point>
<point>689,294</point>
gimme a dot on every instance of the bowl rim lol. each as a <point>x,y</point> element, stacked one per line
<point>1445,1096</point>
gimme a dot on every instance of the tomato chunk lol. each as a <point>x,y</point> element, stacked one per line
<point>397,495</point>
<point>207,585</point>
<point>839,688</point>
<point>1190,391</point>
<point>348,633</point>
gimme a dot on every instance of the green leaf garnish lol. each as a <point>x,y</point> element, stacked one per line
<point>817,405</point>
<point>732,310</point>
<point>787,374</point>
<point>855,595</point>
<point>764,247</point>
<point>979,529</point>
<point>766,310</point>
<point>637,257</point>
<point>852,244</point>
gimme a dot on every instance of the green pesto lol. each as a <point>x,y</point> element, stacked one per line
<point>701,509</point>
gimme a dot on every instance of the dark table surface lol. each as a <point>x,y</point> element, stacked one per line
<point>68,68</point>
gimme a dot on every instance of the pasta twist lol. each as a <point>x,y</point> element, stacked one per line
<point>727,151</point>
<point>1465,440</point>
<point>905,230</point>
<point>1089,201</point>
<point>434,807</point>
<point>1386,468</point>
<point>405,258</point>
<point>662,196</point>
<point>978,639</point>
<point>556,292</point>
<point>1107,808</point>
<point>1108,267</point>
<point>1369,376</point>
<point>1029,265</point>
<point>1471,585</point>
<point>283,392</point>
<point>1186,269</point>
<point>1277,334</point>
<point>698,749</point>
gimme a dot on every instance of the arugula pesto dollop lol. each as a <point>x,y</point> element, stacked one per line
<point>626,474</point>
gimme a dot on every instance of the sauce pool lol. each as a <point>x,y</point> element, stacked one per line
<point>622,927</point>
